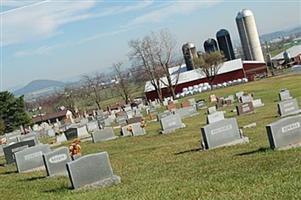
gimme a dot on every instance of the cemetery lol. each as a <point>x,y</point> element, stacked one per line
<point>196,147</point>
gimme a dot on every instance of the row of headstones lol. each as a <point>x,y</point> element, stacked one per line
<point>282,134</point>
<point>90,170</point>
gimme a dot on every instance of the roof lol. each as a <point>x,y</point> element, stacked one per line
<point>253,62</point>
<point>195,74</point>
<point>293,51</point>
<point>49,116</point>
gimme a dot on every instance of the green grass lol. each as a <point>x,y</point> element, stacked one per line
<point>171,166</point>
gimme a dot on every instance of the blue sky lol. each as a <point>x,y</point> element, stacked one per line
<point>59,40</point>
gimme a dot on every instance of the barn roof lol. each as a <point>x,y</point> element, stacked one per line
<point>293,52</point>
<point>196,74</point>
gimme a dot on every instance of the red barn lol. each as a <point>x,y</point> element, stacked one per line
<point>229,71</point>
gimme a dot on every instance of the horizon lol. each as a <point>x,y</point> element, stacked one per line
<point>65,40</point>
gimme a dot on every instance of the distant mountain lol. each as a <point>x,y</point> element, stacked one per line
<point>38,85</point>
<point>280,34</point>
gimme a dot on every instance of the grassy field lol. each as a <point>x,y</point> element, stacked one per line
<point>171,166</point>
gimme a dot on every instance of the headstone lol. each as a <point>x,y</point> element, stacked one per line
<point>257,103</point>
<point>12,137</point>
<point>51,133</point>
<point>171,106</point>
<point>103,135</point>
<point>76,132</point>
<point>10,150</point>
<point>186,112</point>
<point>239,94</point>
<point>212,98</point>
<point>61,138</point>
<point>137,129</point>
<point>200,104</point>
<point>244,108</point>
<point>211,110</point>
<point>246,99</point>
<point>164,114</point>
<point>55,161</point>
<point>134,120</point>
<point>91,171</point>
<point>171,123</point>
<point>215,117</point>
<point>288,107</point>
<point>284,95</point>
<point>84,121</point>
<point>92,126</point>
<point>285,133</point>
<point>31,158</point>
<point>121,119</point>
<point>222,133</point>
<point>29,136</point>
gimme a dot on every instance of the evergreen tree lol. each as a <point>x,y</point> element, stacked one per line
<point>12,112</point>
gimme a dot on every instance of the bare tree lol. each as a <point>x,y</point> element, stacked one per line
<point>156,54</point>
<point>210,64</point>
<point>94,86</point>
<point>122,83</point>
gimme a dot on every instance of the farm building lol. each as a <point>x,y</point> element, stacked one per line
<point>230,70</point>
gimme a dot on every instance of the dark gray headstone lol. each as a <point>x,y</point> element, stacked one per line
<point>55,161</point>
<point>215,117</point>
<point>31,158</point>
<point>10,150</point>
<point>103,135</point>
<point>171,123</point>
<point>76,132</point>
<point>222,133</point>
<point>186,112</point>
<point>92,170</point>
<point>288,107</point>
<point>285,133</point>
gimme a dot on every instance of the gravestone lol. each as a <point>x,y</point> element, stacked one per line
<point>55,161</point>
<point>288,107</point>
<point>215,117</point>
<point>11,149</point>
<point>84,121</point>
<point>76,132</point>
<point>212,98</point>
<point>244,108</point>
<point>121,119</point>
<point>134,120</point>
<point>103,135</point>
<point>92,170</point>
<point>211,110</point>
<point>257,103</point>
<point>222,133</point>
<point>246,99</point>
<point>163,114</point>
<point>29,136</point>
<point>171,123</point>
<point>284,95</point>
<point>200,104</point>
<point>51,133</point>
<point>186,112</point>
<point>285,133</point>
<point>61,138</point>
<point>137,129</point>
<point>171,106</point>
<point>12,137</point>
<point>31,158</point>
<point>92,126</point>
<point>239,94</point>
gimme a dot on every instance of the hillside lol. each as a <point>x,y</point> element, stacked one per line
<point>156,166</point>
<point>38,85</point>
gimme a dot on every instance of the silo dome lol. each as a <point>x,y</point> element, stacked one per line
<point>222,32</point>
<point>244,13</point>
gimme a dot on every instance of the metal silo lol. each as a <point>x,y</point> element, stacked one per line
<point>249,36</point>
<point>225,44</point>
<point>210,45</point>
<point>189,53</point>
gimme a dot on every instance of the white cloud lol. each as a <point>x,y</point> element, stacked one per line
<point>41,20</point>
<point>43,50</point>
<point>177,7</point>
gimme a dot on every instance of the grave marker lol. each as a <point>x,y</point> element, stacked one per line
<point>55,161</point>
<point>11,149</point>
<point>215,117</point>
<point>91,171</point>
<point>244,108</point>
<point>103,135</point>
<point>288,107</point>
<point>171,123</point>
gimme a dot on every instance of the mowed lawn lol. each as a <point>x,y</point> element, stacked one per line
<point>171,166</point>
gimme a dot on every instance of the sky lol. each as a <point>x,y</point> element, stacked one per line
<point>64,39</point>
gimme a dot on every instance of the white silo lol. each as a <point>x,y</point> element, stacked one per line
<point>249,36</point>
